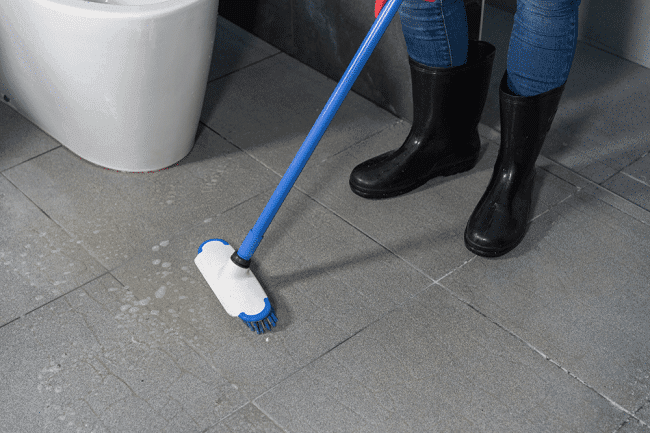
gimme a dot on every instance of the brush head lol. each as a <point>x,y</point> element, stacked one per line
<point>237,289</point>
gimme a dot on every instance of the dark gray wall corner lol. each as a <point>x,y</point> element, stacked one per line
<point>325,35</point>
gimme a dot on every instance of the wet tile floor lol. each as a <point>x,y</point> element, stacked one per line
<point>387,323</point>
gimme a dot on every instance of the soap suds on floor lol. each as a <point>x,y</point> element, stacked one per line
<point>161,292</point>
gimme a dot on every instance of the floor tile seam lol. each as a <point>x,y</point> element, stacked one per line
<point>30,158</point>
<point>642,406</point>
<point>634,178</point>
<point>395,121</point>
<point>269,416</point>
<point>359,230</point>
<point>80,287</point>
<point>547,358</point>
<point>300,369</point>
<point>403,259</point>
<point>565,173</point>
<point>561,172</point>
<point>244,67</point>
<point>626,422</point>
<point>229,414</point>
<point>189,228</point>
<point>245,151</point>
<point>70,235</point>
<point>617,172</point>
<point>456,269</point>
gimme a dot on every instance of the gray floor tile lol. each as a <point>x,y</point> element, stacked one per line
<point>118,214</point>
<point>644,412</point>
<point>325,281</point>
<point>247,419</point>
<point>634,426</point>
<point>235,48</point>
<point>424,227</point>
<point>640,170</point>
<point>579,295</point>
<point>633,182</point>
<point>38,260</point>
<point>20,139</point>
<point>629,188</point>
<point>556,337</point>
<point>603,113</point>
<point>436,365</point>
<point>161,351</point>
<point>269,108</point>
<point>85,360</point>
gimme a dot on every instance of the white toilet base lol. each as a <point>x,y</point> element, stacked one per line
<point>118,82</point>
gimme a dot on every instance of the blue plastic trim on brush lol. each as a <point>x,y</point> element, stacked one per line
<point>256,317</point>
<point>254,237</point>
<point>257,321</point>
<point>210,240</point>
<point>266,318</point>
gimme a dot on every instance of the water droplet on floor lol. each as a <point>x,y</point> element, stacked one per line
<point>156,262</point>
<point>161,292</point>
<point>164,243</point>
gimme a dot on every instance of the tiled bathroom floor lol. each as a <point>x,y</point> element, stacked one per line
<point>387,323</point>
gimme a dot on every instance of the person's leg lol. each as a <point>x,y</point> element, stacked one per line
<point>542,45</point>
<point>541,52</point>
<point>435,33</point>
<point>450,78</point>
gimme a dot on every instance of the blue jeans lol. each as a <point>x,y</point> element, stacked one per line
<point>542,43</point>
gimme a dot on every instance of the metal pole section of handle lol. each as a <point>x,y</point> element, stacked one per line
<point>377,30</point>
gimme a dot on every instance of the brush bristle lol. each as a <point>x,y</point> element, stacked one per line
<point>268,321</point>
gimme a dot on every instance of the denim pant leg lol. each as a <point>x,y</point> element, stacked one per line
<point>542,45</point>
<point>435,33</point>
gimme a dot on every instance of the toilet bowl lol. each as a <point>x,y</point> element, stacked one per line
<point>118,82</point>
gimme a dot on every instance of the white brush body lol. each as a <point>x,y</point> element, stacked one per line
<point>236,288</point>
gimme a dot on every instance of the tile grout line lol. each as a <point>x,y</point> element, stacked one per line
<point>340,217</point>
<point>320,356</point>
<point>81,286</point>
<point>547,358</point>
<point>634,178</point>
<point>566,173</point>
<point>245,67</point>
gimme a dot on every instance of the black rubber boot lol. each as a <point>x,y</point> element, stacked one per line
<point>447,106</point>
<point>499,221</point>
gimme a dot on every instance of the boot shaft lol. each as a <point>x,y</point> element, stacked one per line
<point>444,96</point>
<point>525,122</point>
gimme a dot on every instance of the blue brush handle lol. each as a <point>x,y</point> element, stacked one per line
<point>377,30</point>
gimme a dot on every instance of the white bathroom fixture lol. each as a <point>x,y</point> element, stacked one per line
<point>118,82</point>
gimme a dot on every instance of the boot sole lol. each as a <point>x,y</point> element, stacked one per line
<point>381,194</point>
<point>492,252</point>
